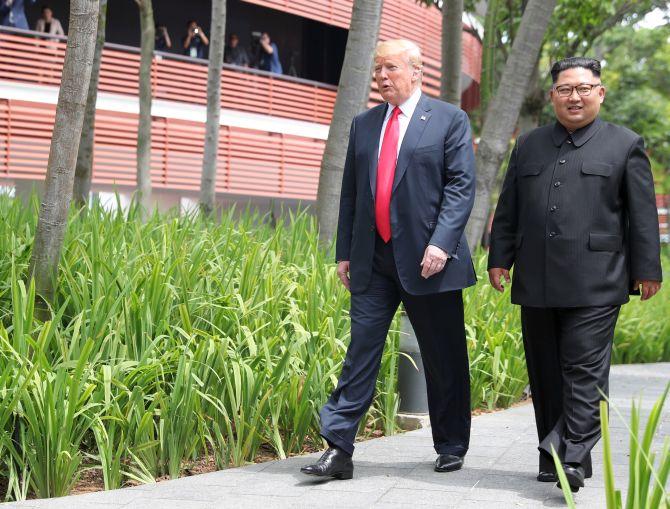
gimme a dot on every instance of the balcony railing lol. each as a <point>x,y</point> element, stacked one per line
<point>28,57</point>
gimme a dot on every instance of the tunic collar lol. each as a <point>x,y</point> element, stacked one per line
<point>579,137</point>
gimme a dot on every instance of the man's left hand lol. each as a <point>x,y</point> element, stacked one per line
<point>649,288</point>
<point>434,260</point>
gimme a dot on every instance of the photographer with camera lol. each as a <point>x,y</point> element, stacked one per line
<point>163,41</point>
<point>268,59</point>
<point>195,41</point>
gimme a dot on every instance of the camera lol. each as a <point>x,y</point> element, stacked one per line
<point>196,30</point>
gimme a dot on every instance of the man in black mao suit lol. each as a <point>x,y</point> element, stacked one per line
<point>407,191</point>
<point>577,219</point>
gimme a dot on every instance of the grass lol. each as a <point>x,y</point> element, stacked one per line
<point>178,338</point>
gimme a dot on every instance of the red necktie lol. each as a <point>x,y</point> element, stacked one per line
<point>385,175</point>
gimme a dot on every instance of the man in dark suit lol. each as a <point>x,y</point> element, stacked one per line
<point>577,219</point>
<point>407,191</point>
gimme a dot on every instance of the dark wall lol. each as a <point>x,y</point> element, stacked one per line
<point>310,49</point>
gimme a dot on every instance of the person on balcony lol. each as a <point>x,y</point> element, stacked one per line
<point>12,13</point>
<point>195,41</point>
<point>163,41</point>
<point>269,55</point>
<point>235,54</point>
<point>48,24</point>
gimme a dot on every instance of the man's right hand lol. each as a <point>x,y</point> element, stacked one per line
<point>495,277</point>
<point>343,273</point>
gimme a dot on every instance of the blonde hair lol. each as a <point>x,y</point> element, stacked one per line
<point>398,46</point>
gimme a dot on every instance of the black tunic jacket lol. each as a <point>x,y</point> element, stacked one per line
<point>577,217</point>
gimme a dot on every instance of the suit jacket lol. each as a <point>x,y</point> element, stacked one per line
<point>55,29</point>
<point>433,194</point>
<point>577,217</point>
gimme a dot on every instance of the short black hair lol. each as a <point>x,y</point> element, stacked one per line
<point>45,7</point>
<point>591,64</point>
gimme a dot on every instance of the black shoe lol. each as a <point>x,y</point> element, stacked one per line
<point>575,476</point>
<point>448,463</point>
<point>333,463</point>
<point>547,476</point>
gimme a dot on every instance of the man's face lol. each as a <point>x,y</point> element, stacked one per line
<point>233,42</point>
<point>575,111</point>
<point>47,14</point>
<point>265,38</point>
<point>192,25</point>
<point>396,77</point>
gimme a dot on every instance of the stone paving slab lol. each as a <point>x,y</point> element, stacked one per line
<point>396,472</point>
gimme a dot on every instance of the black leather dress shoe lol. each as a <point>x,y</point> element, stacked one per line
<point>448,463</point>
<point>575,476</point>
<point>547,476</point>
<point>333,463</point>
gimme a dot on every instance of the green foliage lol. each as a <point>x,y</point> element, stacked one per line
<point>577,24</point>
<point>636,73</point>
<point>177,337</point>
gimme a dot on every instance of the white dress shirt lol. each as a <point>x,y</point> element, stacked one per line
<point>406,111</point>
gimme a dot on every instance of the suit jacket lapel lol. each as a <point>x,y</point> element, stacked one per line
<point>417,124</point>
<point>375,129</point>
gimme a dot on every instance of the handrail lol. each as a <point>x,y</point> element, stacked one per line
<point>39,60</point>
<point>174,56</point>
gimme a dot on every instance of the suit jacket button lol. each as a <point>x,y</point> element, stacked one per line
<point>372,228</point>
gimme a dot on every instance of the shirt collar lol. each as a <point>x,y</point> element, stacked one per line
<point>407,108</point>
<point>579,137</point>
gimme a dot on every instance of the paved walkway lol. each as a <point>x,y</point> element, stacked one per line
<point>397,471</point>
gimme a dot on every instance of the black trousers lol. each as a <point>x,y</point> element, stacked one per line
<point>439,326</point>
<point>568,353</point>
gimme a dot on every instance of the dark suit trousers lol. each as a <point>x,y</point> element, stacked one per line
<point>568,354</point>
<point>439,326</point>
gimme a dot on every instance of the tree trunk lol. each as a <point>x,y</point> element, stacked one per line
<point>144,126</point>
<point>452,37</point>
<point>68,123</point>
<point>84,169</point>
<point>208,179</point>
<point>489,44</point>
<point>352,97</point>
<point>531,109</point>
<point>502,113</point>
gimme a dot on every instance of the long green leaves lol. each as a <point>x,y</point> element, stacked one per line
<point>176,338</point>
<point>648,472</point>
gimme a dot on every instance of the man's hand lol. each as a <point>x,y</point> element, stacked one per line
<point>434,260</point>
<point>649,288</point>
<point>495,277</point>
<point>343,273</point>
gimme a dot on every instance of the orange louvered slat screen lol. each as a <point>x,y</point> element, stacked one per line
<point>400,19</point>
<point>253,163</point>
<point>31,60</point>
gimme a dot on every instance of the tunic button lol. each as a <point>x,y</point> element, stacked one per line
<point>557,183</point>
<point>562,161</point>
<point>553,208</point>
<point>570,141</point>
<point>552,234</point>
